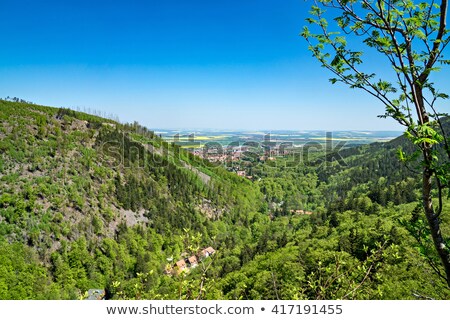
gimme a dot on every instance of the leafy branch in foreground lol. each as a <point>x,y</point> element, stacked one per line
<point>412,37</point>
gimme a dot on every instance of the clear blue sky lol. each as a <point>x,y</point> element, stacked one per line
<point>237,64</point>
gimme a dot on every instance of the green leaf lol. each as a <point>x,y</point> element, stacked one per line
<point>401,155</point>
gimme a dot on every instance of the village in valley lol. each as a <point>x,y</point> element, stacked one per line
<point>187,263</point>
<point>237,157</point>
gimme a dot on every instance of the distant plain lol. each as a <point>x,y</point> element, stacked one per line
<point>198,138</point>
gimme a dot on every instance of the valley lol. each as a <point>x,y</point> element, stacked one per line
<point>91,203</point>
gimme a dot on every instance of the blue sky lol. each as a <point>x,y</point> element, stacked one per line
<point>177,64</point>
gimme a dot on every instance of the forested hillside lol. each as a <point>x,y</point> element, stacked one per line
<point>87,202</point>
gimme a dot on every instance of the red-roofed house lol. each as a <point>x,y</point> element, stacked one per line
<point>206,253</point>
<point>181,264</point>
<point>193,261</point>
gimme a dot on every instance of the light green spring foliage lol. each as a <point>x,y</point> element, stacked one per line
<point>411,37</point>
<point>65,230</point>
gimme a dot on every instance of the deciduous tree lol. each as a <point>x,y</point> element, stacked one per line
<point>411,36</point>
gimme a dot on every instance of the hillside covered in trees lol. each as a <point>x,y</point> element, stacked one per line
<point>87,202</point>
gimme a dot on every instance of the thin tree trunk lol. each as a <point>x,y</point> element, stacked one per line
<point>433,218</point>
<point>427,181</point>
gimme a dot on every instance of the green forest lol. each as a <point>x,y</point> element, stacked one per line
<point>92,203</point>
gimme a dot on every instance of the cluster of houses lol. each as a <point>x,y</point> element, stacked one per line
<point>191,262</point>
<point>233,154</point>
<point>301,212</point>
<point>219,154</point>
<point>278,150</point>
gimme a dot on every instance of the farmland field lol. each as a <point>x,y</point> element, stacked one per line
<point>197,139</point>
